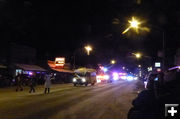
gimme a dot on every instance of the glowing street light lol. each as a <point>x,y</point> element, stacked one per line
<point>88,49</point>
<point>134,23</point>
<point>137,55</point>
<point>113,61</point>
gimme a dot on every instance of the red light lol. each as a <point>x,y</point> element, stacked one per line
<point>123,74</point>
<point>158,70</point>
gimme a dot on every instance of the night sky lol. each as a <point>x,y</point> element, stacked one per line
<point>61,28</point>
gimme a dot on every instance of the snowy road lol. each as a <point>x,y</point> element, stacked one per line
<point>102,101</point>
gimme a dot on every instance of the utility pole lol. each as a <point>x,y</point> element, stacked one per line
<point>163,61</point>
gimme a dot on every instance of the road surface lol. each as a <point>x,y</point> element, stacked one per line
<point>102,101</point>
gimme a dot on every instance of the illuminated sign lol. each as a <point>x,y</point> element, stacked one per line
<point>18,71</point>
<point>59,62</point>
<point>149,68</point>
<point>157,64</point>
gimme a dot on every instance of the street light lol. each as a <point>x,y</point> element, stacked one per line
<point>137,55</point>
<point>134,23</point>
<point>113,61</point>
<point>163,43</point>
<point>88,49</point>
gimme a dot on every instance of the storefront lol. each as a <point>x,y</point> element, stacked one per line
<point>61,71</point>
<point>28,69</point>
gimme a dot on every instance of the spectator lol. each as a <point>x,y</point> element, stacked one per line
<point>47,83</point>
<point>32,83</point>
<point>150,103</point>
<point>18,79</point>
<point>150,84</point>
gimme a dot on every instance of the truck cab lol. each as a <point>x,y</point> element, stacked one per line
<point>84,76</point>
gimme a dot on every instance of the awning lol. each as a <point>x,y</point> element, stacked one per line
<point>53,67</point>
<point>63,70</point>
<point>27,67</point>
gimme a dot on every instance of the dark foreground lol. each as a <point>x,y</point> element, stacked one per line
<point>102,101</point>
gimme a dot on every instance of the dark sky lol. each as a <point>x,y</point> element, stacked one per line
<point>59,28</point>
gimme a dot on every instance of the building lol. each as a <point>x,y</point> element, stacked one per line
<point>22,54</point>
<point>177,57</point>
<point>22,59</point>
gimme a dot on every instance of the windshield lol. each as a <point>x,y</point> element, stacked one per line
<point>80,74</point>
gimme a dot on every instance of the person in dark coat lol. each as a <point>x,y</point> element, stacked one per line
<point>32,83</point>
<point>18,80</point>
<point>150,104</point>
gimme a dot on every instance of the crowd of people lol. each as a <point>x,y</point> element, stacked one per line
<point>5,81</point>
<point>162,88</point>
<point>21,80</point>
<point>32,82</point>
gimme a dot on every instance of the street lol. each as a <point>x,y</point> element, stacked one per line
<point>102,101</point>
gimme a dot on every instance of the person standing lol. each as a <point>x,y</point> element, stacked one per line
<point>18,79</point>
<point>32,84</point>
<point>47,83</point>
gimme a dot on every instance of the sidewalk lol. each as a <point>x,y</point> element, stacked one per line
<point>38,88</point>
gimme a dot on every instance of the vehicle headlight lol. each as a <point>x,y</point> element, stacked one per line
<point>98,81</point>
<point>83,80</point>
<point>106,77</point>
<point>74,80</point>
<point>115,76</point>
<point>129,78</point>
<point>123,77</point>
<point>135,78</point>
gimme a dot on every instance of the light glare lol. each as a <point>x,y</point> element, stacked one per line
<point>129,78</point>
<point>88,49</point>
<point>115,76</point>
<point>135,24</point>
<point>113,61</point>
<point>83,80</point>
<point>74,80</point>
